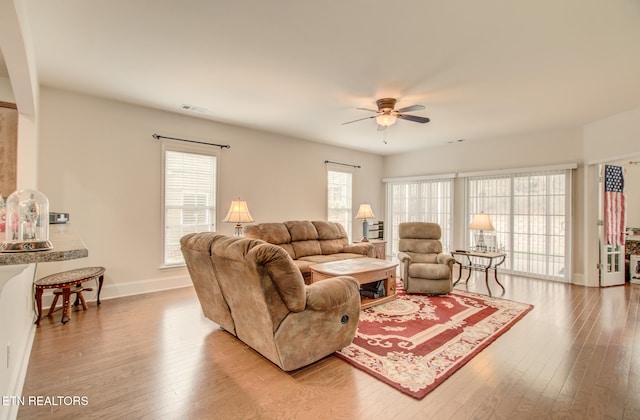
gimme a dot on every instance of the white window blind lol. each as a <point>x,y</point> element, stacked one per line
<point>339,198</point>
<point>420,200</point>
<point>189,199</point>
<point>531,215</point>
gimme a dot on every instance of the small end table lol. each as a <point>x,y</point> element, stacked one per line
<point>479,261</point>
<point>65,280</point>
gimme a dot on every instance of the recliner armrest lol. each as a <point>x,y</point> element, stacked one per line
<point>445,259</point>
<point>404,258</point>
<point>332,293</point>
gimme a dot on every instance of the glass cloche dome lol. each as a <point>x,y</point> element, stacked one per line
<point>27,222</point>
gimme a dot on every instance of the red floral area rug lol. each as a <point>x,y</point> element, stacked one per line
<point>415,342</point>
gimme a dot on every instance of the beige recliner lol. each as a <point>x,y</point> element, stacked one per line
<point>253,290</point>
<point>423,266</point>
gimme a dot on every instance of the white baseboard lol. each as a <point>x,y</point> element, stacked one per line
<point>112,291</point>
<point>578,279</point>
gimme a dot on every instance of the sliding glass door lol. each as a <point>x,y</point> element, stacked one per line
<point>531,215</point>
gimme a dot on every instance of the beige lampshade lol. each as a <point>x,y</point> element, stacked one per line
<point>238,212</point>
<point>365,212</point>
<point>481,221</point>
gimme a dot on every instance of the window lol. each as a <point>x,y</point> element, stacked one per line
<point>420,200</point>
<point>189,197</point>
<point>530,212</point>
<point>339,198</point>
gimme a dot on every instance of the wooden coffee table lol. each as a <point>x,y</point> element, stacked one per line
<point>365,270</point>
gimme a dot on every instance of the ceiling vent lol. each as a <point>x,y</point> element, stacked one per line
<point>192,108</point>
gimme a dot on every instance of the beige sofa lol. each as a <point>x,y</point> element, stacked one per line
<point>310,242</point>
<point>253,290</point>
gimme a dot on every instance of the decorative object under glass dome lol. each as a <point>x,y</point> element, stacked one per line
<point>27,222</point>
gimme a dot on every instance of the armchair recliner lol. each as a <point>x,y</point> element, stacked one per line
<point>423,266</point>
<point>253,290</point>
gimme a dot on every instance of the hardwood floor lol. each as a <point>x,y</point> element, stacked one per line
<point>575,356</point>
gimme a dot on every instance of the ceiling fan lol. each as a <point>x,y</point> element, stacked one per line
<point>387,115</point>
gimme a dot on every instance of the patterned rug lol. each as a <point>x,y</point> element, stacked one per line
<point>416,342</point>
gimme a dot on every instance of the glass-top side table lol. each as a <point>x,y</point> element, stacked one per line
<point>479,261</point>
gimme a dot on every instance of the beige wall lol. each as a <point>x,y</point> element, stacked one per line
<point>99,162</point>
<point>6,93</point>
<point>632,189</point>
<point>528,150</point>
<point>613,138</point>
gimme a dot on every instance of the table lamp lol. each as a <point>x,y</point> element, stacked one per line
<point>238,214</point>
<point>481,222</point>
<point>364,213</point>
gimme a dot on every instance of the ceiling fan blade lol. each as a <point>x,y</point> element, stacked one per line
<point>411,108</point>
<point>414,118</point>
<point>359,119</point>
<point>367,109</point>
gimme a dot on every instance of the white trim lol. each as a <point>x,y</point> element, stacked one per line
<point>513,171</point>
<point>630,156</point>
<point>419,178</point>
<point>111,291</point>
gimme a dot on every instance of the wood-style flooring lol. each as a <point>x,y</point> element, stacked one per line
<point>575,356</point>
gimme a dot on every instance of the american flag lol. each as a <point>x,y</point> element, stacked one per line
<point>614,207</point>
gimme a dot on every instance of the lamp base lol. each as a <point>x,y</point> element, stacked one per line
<point>481,246</point>
<point>365,230</point>
<point>238,231</point>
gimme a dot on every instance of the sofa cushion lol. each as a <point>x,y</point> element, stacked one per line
<point>430,271</point>
<point>305,248</point>
<point>332,237</point>
<point>420,246</point>
<point>302,231</point>
<point>332,246</point>
<point>419,230</point>
<point>274,233</point>
<point>327,230</point>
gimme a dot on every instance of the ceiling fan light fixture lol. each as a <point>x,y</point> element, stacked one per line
<point>386,120</point>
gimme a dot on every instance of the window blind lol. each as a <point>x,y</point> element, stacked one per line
<point>339,201</point>
<point>420,200</point>
<point>189,199</point>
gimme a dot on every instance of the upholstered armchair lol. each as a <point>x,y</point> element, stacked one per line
<point>253,290</point>
<point>423,266</point>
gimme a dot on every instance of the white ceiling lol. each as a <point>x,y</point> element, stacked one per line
<point>483,69</point>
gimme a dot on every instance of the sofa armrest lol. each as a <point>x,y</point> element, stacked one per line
<point>332,293</point>
<point>445,259</point>
<point>364,248</point>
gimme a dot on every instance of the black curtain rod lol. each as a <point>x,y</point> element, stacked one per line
<point>222,146</point>
<point>343,164</point>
